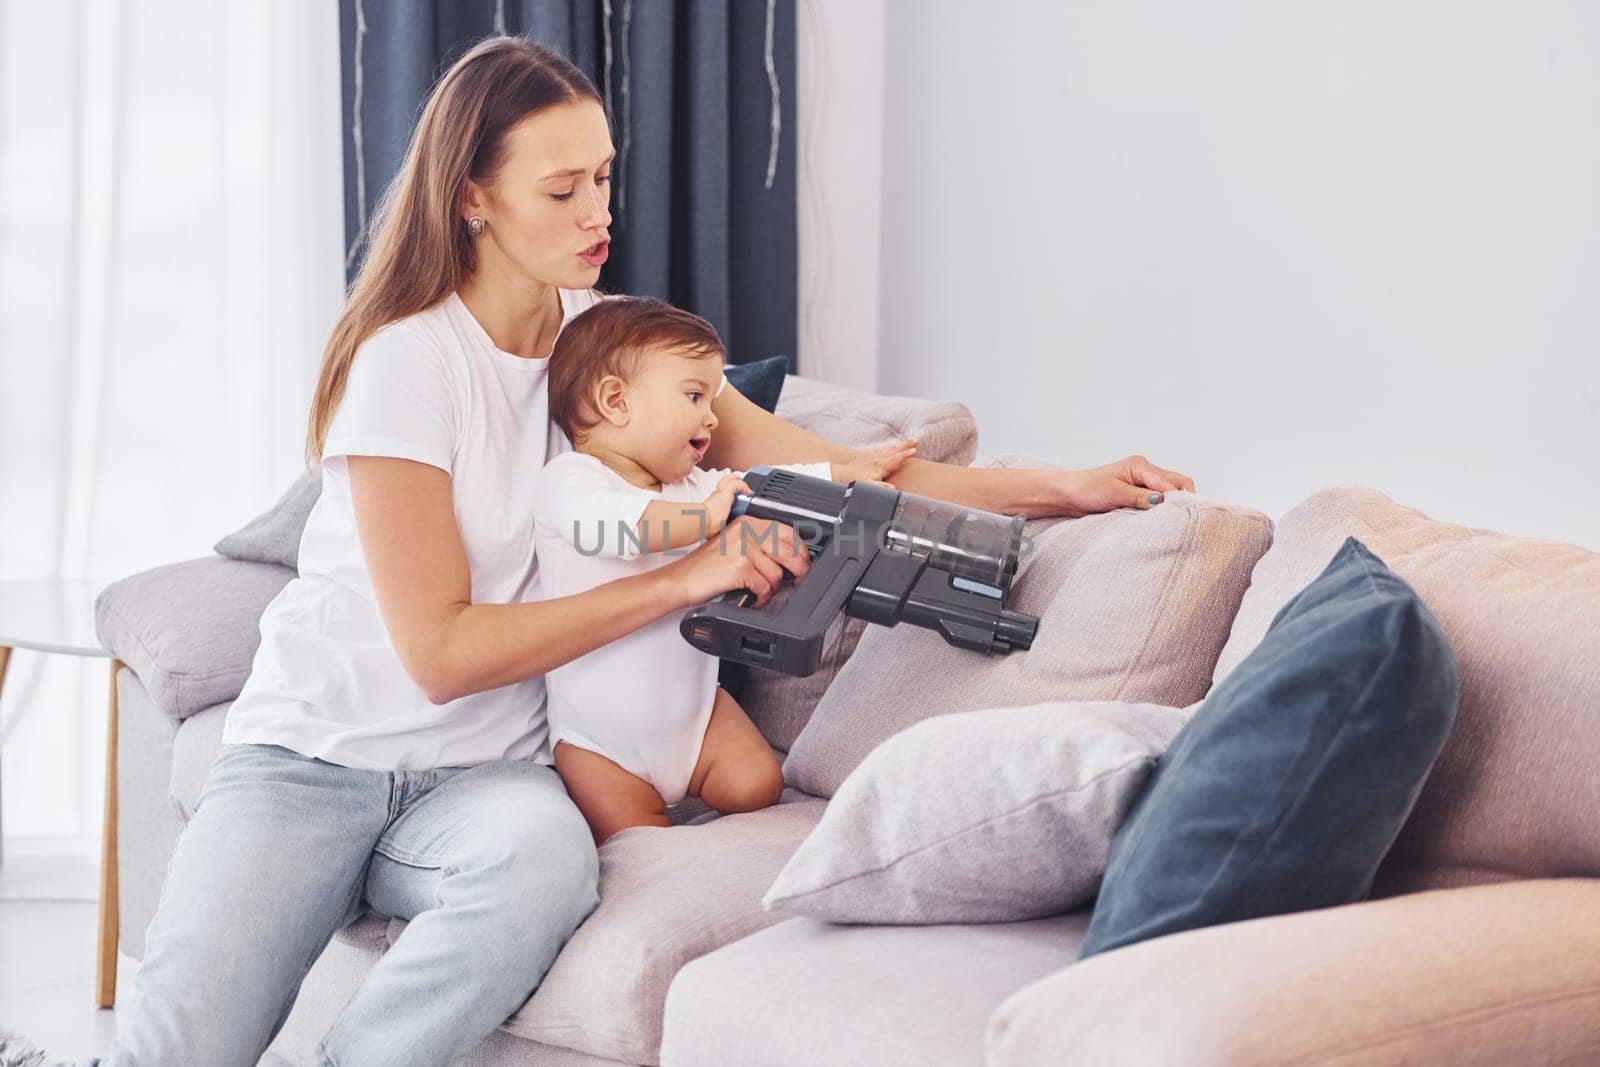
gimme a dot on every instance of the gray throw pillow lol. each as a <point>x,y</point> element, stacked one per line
<point>274,535</point>
<point>984,816</point>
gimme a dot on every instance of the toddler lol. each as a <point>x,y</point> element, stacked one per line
<point>641,723</point>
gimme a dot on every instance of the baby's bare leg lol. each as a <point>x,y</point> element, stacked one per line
<point>610,798</point>
<point>737,770</point>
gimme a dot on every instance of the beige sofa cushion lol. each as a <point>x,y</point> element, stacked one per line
<point>808,994</point>
<point>1132,606</point>
<point>1505,974</point>
<point>667,896</point>
<point>778,704</point>
<point>1515,792</point>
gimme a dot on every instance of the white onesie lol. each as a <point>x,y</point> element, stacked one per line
<point>642,701</point>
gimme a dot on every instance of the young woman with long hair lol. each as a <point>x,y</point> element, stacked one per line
<point>389,749</point>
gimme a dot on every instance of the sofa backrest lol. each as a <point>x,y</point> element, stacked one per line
<point>1516,792</point>
<point>944,429</point>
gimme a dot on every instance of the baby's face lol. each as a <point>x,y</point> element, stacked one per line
<point>669,404</point>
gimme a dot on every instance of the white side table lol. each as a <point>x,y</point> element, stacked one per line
<point>58,616</point>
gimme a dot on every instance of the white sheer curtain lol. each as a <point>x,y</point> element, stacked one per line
<point>170,264</point>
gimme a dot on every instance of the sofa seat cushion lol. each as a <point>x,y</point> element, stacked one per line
<point>1481,977</point>
<point>1132,605</point>
<point>808,992</point>
<point>1514,793</point>
<point>189,630</point>
<point>667,896</point>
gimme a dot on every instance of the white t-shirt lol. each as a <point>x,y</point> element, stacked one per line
<point>326,680</point>
<point>642,701</point>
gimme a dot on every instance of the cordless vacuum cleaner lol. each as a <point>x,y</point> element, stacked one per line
<point>879,554</point>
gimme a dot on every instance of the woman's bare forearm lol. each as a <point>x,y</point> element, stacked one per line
<point>490,645</point>
<point>1004,491</point>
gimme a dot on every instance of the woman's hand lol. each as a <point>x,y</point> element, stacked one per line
<point>720,502</point>
<point>749,554</point>
<point>1134,482</point>
<point>875,465</point>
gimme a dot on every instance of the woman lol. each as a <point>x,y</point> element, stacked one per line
<point>389,749</point>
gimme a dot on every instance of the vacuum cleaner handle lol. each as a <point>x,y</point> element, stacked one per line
<point>789,640</point>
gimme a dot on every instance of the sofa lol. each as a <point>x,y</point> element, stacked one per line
<point>1480,942</point>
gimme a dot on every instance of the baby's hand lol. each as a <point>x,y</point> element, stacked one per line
<point>876,465</point>
<point>720,502</point>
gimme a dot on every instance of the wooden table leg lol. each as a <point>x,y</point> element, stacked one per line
<point>106,975</point>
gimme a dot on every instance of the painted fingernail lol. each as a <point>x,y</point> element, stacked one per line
<point>1155,498</point>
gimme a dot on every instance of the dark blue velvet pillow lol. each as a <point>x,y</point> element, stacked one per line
<point>1292,780</point>
<point>760,381</point>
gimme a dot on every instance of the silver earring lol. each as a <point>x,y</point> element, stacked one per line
<point>475,226</point>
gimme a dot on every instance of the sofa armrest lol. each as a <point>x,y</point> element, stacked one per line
<point>189,630</point>
<point>1508,973</point>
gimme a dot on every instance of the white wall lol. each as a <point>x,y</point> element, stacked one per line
<point>1275,246</point>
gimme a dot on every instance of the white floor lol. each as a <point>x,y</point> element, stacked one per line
<point>48,933</point>
<point>48,919</point>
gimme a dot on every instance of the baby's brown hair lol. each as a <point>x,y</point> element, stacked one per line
<point>611,338</point>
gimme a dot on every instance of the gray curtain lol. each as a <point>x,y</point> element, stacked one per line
<point>704,194</point>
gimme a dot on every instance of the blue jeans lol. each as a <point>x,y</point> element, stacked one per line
<point>493,866</point>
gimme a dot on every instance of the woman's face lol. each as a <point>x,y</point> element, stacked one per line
<point>547,209</point>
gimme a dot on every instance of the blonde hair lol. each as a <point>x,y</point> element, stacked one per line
<point>420,251</point>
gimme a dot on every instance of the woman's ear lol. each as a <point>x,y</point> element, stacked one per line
<point>474,200</point>
<point>611,400</point>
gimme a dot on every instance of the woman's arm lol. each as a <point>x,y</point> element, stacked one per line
<point>747,435</point>
<point>449,645</point>
<point>1134,482</point>
<point>452,647</point>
